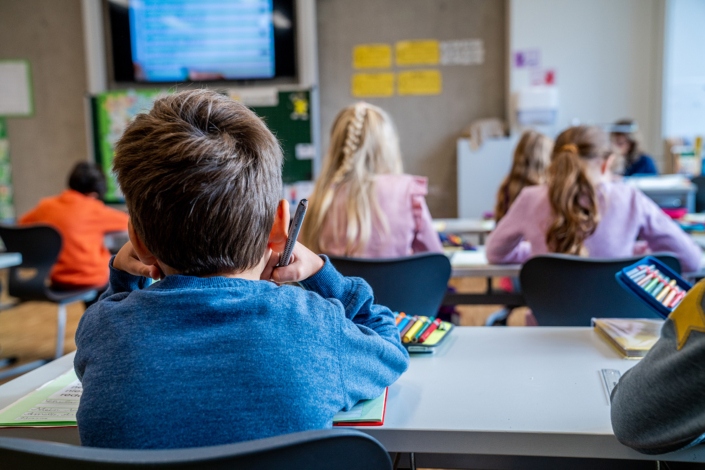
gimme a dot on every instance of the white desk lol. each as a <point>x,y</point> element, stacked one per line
<point>475,264</point>
<point>8,260</point>
<point>480,227</point>
<point>501,392</point>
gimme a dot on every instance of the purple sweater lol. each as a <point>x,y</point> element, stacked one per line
<point>625,215</point>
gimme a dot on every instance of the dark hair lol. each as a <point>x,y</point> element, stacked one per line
<point>633,136</point>
<point>201,174</point>
<point>87,178</point>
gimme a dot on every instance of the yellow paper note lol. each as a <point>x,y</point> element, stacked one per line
<point>367,56</point>
<point>372,85</point>
<point>417,52</point>
<point>420,82</point>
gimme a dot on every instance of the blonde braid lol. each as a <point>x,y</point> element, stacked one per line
<point>352,141</point>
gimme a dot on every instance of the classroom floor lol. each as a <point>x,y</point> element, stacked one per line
<point>28,331</point>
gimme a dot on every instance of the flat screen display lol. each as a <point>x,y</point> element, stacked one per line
<point>161,41</point>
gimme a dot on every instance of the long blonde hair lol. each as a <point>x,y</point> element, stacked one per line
<point>572,195</point>
<point>364,143</point>
<point>531,158</point>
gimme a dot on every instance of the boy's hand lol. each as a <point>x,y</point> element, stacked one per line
<point>304,264</point>
<point>128,261</point>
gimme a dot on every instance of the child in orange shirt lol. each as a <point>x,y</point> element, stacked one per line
<point>82,220</point>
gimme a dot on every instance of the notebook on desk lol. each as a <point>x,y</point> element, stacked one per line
<point>54,404</point>
<point>632,338</point>
<point>365,413</point>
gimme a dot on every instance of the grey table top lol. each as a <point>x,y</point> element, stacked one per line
<point>489,391</point>
<point>7,260</point>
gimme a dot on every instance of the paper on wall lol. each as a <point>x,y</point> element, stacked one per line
<point>424,52</point>
<point>366,56</point>
<point>255,96</point>
<point>420,82</point>
<point>15,88</point>
<point>365,85</point>
<point>462,52</point>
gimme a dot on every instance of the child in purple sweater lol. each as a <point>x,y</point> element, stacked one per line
<point>581,212</point>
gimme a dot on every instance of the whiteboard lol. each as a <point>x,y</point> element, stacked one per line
<point>15,88</point>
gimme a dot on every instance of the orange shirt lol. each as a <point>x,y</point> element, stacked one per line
<point>82,222</point>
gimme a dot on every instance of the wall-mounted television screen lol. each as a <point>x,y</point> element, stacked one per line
<point>164,41</point>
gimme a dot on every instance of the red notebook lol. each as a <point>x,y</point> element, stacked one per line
<point>365,413</point>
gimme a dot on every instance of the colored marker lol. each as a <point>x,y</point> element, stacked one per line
<point>645,280</point>
<point>425,326</point>
<point>634,271</point>
<point>408,326</point>
<point>648,287</point>
<point>658,288</point>
<point>400,317</point>
<point>412,331</point>
<point>664,292</point>
<point>677,299</point>
<point>669,298</point>
<point>432,327</point>
<point>403,323</point>
<point>641,275</point>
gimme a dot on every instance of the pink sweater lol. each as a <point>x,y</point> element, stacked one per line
<point>625,214</point>
<point>402,200</point>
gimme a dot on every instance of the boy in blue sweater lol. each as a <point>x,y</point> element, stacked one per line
<point>215,353</point>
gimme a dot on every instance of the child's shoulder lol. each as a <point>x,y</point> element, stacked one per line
<point>411,184</point>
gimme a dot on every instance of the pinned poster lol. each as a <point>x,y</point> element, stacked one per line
<point>420,82</point>
<point>527,58</point>
<point>16,88</point>
<point>368,85</point>
<point>462,52</point>
<point>417,52</point>
<point>370,56</point>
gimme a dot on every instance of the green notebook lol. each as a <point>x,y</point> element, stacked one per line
<point>53,404</point>
<point>365,413</point>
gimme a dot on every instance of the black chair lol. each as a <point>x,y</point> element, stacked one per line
<point>564,290</point>
<point>342,449</point>
<point>699,181</point>
<point>39,246</point>
<point>414,284</point>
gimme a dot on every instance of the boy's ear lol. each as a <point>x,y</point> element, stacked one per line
<point>280,229</point>
<point>143,253</point>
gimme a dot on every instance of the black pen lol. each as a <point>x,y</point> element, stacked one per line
<point>285,257</point>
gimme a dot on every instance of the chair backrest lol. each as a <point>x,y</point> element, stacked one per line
<point>699,181</point>
<point>414,284</point>
<point>40,246</point>
<point>564,290</point>
<point>343,449</point>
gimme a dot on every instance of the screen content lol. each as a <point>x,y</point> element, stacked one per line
<point>176,40</point>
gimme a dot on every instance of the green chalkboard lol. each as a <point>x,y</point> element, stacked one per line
<point>289,120</point>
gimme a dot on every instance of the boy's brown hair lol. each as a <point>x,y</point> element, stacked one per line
<point>201,174</point>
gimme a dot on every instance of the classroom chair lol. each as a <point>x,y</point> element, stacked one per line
<point>414,284</point>
<point>699,181</point>
<point>565,290</point>
<point>342,449</point>
<point>39,246</point>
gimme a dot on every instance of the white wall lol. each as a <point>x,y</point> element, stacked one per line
<point>607,55</point>
<point>684,69</point>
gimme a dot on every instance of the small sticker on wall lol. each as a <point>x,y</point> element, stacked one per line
<point>305,151</point>
<point>527,58</point>
<point>462,52</point>
<point>255,96</point>
<point>367,56</point>
<point>420,82</point>
<point>367,85</point>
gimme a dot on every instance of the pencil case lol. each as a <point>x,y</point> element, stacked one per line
<point>648,278</point>
<point>432,342</point>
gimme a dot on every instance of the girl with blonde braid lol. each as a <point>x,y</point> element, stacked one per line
<point>580,211</point>
<point>363,205</point>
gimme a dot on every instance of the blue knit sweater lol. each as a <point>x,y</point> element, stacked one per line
<point>195,361</point>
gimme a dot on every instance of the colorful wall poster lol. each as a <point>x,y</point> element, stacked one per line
<point>368,56</point>
<point>426,52</point>
<point>366,85</point>
<point>420,82</point>
<point>7,206</point>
